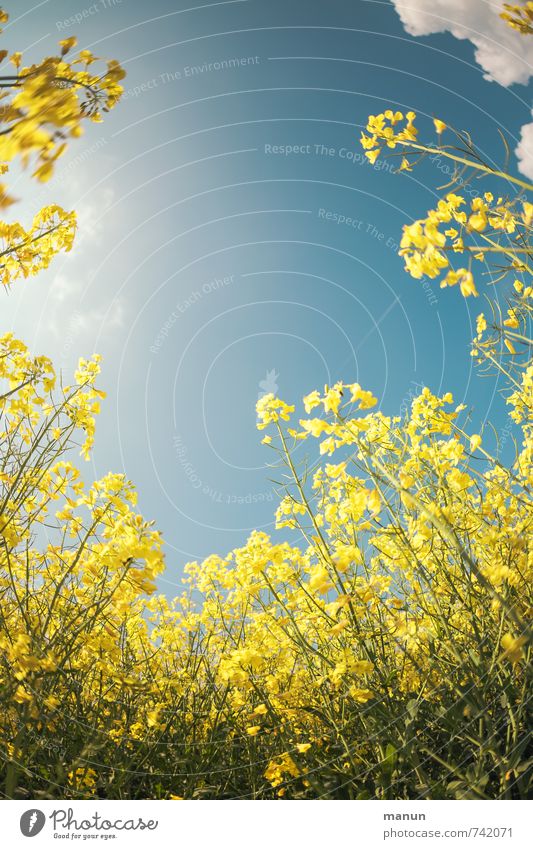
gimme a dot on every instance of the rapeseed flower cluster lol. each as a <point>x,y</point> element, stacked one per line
<point>519,16</point>
<point>382,652</point>
<point>43,106</point>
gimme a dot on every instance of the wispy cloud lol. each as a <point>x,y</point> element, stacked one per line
<point>66,307</point>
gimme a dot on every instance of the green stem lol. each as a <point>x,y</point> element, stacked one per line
<point>478,166</point>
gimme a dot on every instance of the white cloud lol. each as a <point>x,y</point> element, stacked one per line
<point>524,151</point>
<point>69,307</point>
<point>505,55</point>
<point>68,290</point>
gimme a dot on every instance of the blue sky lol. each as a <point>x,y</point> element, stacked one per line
<point>233,240</point>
